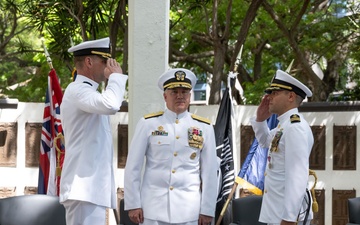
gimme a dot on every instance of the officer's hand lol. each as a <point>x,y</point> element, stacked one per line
<point>112,67</point>
<point>136,215</point>
<point>204,220</point>
<point>262,112</point>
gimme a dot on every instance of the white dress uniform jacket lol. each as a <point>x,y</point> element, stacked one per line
<point>87,173</point>
<point>180,174</point>
<point>287,169</point>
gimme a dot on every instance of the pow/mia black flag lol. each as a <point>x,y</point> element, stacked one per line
<point>224,148</point>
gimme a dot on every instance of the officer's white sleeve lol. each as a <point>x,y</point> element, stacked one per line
<point>297,151</point>
<point>262,132</point>
<point>134,165</point>
<point>208,166</point>
<point>108,102</point>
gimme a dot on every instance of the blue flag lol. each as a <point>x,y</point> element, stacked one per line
<point>251,175</point>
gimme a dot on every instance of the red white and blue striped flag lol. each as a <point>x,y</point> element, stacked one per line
<point>50,157</point>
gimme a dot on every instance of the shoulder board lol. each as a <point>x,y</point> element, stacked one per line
<point>295,118</point>
<point>151,115</point>
<point>201,119</point>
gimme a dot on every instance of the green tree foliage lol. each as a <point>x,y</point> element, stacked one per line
<point>18,67</point>
<point>205,35</point>
<point>27,26</point>
<point>273,33</point>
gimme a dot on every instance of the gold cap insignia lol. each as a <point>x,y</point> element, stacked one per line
<point>180,75</point>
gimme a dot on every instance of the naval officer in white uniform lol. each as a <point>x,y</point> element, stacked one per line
<point>285,199</point>
<point>179,184</point>
<point>87,185</point>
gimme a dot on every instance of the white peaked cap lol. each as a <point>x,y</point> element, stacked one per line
<point>99,47</point>
<point>178,77</point>
<point>284,81</point>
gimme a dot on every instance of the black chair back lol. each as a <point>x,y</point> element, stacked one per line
<point>354,210</point>
<point>246,210</point>
<point>32,210</point>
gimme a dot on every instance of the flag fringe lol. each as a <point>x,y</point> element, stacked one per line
<point>246,185</point>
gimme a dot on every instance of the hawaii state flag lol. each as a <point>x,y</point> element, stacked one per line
<point>251,175</point>
<point>51,147</point>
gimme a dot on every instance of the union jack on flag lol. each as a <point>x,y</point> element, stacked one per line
<point>51,149</point>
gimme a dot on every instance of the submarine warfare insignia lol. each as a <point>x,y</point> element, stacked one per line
<point>195,137</point>
<point>159,132</point>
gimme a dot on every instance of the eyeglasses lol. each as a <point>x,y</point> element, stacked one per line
<point>175,92</point>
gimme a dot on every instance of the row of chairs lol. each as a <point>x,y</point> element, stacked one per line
<point>246,210</point>
<point>46,210</point>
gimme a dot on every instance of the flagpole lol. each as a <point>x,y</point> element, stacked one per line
<point>231,75</point>
<point>48,58</point>
<point>226,203</point>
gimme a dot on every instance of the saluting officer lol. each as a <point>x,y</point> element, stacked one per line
<point>87,185</point>
<point>179,184</point>
<point>285,199</point>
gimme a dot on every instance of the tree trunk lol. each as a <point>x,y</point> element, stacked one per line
<point>219,61</point>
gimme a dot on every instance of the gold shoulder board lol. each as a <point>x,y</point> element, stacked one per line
<point>151,115</point>
<point>201,119</point>
<point>295,118</point>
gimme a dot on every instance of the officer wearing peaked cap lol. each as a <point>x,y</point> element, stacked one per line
<point>286,199</point>
<point>178,185</point>
<point>85,121</point>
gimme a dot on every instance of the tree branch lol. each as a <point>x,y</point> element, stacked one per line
<point>228,21</point>
<point>180,56</point>
<point>78,18</point>
<point>13,10</point>
<point>244,30</point>
<point>300,15</point>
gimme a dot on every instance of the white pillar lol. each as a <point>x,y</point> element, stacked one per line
<point>148,57</point>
